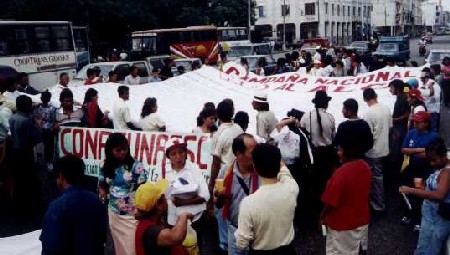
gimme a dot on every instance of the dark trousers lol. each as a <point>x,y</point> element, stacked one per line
<point>445,85</point>
<point>282,250</point>
<point>49,145</point>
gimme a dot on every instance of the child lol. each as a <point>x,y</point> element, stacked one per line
<point>47,113</point>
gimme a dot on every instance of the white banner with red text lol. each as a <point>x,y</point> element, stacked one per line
<point>147,147</point>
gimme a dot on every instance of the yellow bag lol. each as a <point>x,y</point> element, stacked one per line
<point>190,242</point>
<point>405,163</point>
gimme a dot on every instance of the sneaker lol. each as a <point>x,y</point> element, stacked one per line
<point>406,220</point>
<point>416,228</point>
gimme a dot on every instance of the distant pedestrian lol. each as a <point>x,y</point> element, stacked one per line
<point>242,119</point>
<point>93,116</point>
<point>24,85</point>
<point>91,78</point>
<point>155,75</point>
<point>261,65</point>
<point>265,119</point>
<point>431,91</point>
<point>76,222</point>
<point>120,176</point>
<point>445,85</point>
<point>112,77</point>
<point>339,70</point>
<point>121,112</point>
<point>261,227</point>
<point>133,78</point>
<point>417,104</point>
<point>68,114</point>
<point>166,70</point>
<point>206,122</point>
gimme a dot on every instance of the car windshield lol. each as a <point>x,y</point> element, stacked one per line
<point>185,64</point>
<point>252,63</point>
<point>388,47</point>
<point>359,45</point>
<point>104,70</point>
<point>438,56</point>
<point>237,51</point>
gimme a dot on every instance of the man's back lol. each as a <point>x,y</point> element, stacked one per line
<point>378,117</point>
<point>75,223</point>
<point>222,141</point>
<point>121,114</point>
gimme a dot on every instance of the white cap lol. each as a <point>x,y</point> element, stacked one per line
<point>260,97</point>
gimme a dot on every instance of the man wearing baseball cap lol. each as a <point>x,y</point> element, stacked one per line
<point>152,235</point>
<point>417,104</point>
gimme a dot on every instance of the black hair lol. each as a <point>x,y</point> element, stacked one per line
<point>155,70</point>
<point>210,105</point>
<point>148,106</point>
<point>72,168</point>
<point>438,147</point>
<point>281,62</point>
<point>262,106</point>
<point>122,90</point>
<point>295,113</point>
<point>436,68</point>
<point>90,72</point>
<point>61,75</point>
<point>369,93</point>
<point>295,55</point>
<point>90,93</point>
<point>445,59</point>
<point>351,105</point>
<point>195,65</point>
<point>339,62</point>
<point>24,104</point>
<point>65,93</point>
<point>21,75</point>
<point>426,70</point>
<point>46,95</point>
<point>244,61</point>
<point>111,164</point>
<point>242,119</point>
<point>239,143</point>
<point>132,68</point>
<point>10,83</point>
<point>111,73</point>
<point>398,85</point>
<point>225,111</point>
<point>223,55</point>
<point>414,64</point>
<point>205,113</point>
<point>266,159</point>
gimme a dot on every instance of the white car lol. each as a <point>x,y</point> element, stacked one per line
<point>436,56</point>
<point>121,68</point>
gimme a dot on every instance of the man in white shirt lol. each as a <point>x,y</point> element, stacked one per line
<point>121,112</point>
<point>378,116</point>
<point>266,216</point>
<point>133,78</point>
<point>431,91</point>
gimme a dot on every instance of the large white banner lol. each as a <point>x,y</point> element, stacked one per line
<point>180,99</point>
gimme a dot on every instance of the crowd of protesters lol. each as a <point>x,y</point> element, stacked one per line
<point>301,168</point>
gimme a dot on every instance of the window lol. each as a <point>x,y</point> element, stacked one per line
<point>285,10</point>
<point>338,10</point>
<point>42,35</point>
<point>359,11</point>
<point>348,11</point>
<point>310,9</point>
<point>326,8</point>
<point>364,11</point>
<point>142,69</point>
<point>343,10</point>
<point>354,11</point>
<point>122,71</point>
<point>261,11</point>
<point>61,38</point>
<point>332,10</point>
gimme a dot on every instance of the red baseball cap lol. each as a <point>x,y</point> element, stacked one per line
<point>417,94</point>
<point>421,117</point>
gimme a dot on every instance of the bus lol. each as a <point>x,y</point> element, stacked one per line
<point>43,49</point>
<point>190,42</point>
<point>233,36</point>
<point>81,40</point>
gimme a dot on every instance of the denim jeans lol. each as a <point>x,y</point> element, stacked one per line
<point>377,197</point>
<point>232,248</point>
<point>434,121</point>
<point>222,225</point>
<point>434,230</point>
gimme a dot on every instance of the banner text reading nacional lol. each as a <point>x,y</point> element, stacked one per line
<point>147,147</point>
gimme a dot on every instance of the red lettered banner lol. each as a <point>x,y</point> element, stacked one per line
<point>147,147</point>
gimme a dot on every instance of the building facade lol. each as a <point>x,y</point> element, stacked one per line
<point>340,21</point>
<point>433,15</point>
<point>397,17</point>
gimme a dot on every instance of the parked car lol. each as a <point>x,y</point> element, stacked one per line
<point>253,63</point>
<point>396,47</point>
<point>436,56</point>
<point>157,61</point>
<point>362,47</point>
<point>236,52</point>
<point>186,63</point>
<point>122,68</point>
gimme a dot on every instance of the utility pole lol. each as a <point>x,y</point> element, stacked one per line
<point>249,17</point>
<point>284,25</point>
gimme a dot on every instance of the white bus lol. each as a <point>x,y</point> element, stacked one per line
<point>233,36</point>
<point>43,49</point>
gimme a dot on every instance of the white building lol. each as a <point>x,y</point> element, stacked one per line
<point>340,21</point>
<point>396,17</point>
<point>433,15</point>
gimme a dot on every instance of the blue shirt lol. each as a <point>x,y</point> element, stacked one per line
<point>415,139</point>
<point>75,223</point>
<point>24,134</point>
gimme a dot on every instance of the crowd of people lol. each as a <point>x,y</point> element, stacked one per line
<point>303,167</point>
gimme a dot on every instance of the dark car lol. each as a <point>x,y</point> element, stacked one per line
<point>361,47</point>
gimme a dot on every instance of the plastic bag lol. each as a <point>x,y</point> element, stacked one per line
<point>190,242</point>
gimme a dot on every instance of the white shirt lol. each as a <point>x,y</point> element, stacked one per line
<point>151,122</point>
<point>288,143</point>
<point>266,216</point>
<point>192,175</point>
<point>265,123</point>
<point>378,116</point>
<point>222,141</point>
<point>432,102</point>
<point>309,121</point>
<point>327,71</point>
<point>121,114</point>
<point>11,96</point>
<point>130,80</point>
<point>317,56</point>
